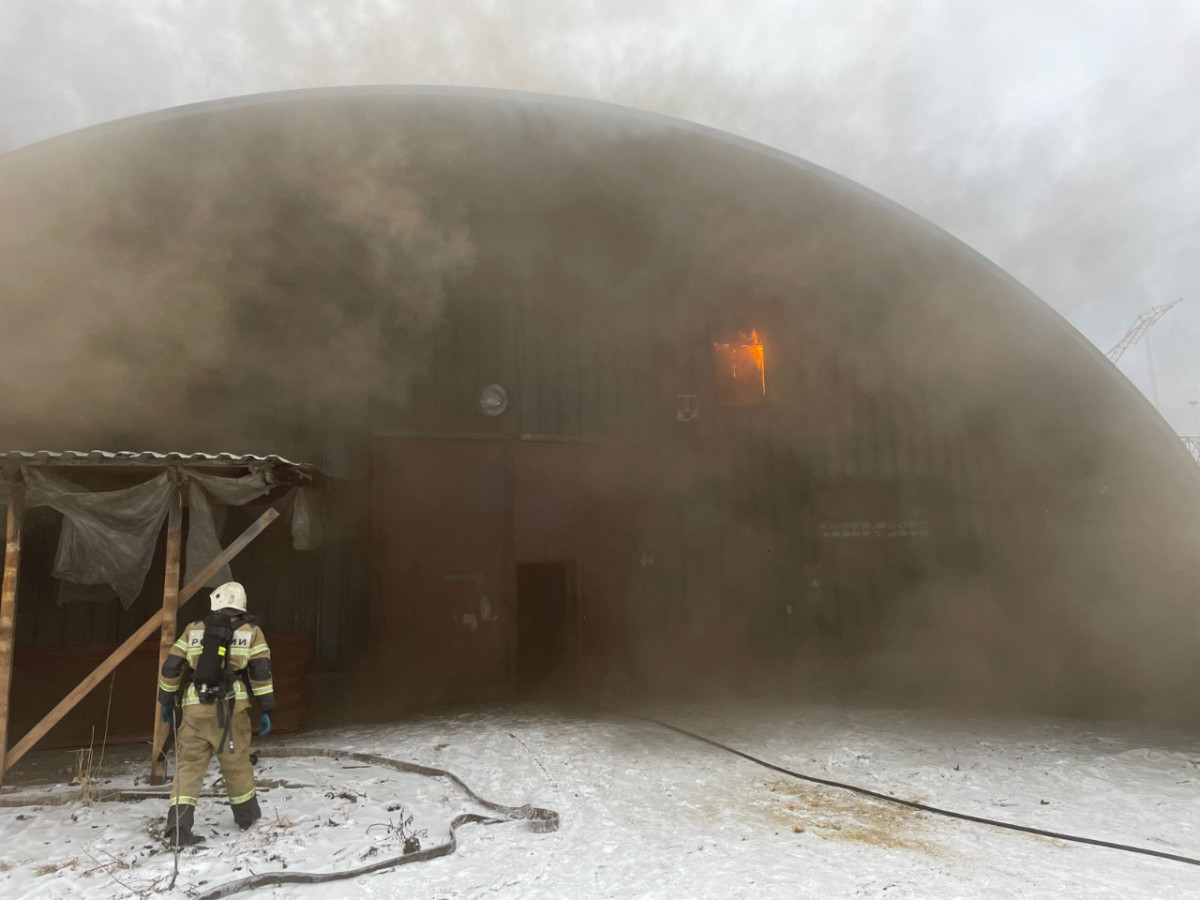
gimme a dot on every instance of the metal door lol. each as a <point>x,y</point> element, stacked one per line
<point>440,535</point>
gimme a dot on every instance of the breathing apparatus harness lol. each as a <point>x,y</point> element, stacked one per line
<point>212,677</point>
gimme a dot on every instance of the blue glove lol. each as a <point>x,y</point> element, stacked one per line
<point>167,714</point>
<point>264,724</point>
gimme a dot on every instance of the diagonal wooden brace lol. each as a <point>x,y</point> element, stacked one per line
<point>118,656</point>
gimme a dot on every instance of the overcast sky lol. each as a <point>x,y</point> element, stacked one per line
<point>1060,138</point>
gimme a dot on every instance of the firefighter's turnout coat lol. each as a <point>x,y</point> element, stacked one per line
<point>202,730</point>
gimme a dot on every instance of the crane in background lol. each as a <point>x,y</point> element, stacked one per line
<point>1139,328</point>
<point>1192,442</point>
<point>1136,332</point>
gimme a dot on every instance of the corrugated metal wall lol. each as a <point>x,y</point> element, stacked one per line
<point>850,477</point>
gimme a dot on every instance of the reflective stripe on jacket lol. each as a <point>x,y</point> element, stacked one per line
<point>249,655</point>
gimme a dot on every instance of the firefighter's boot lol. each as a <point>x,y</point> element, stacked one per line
<point>178,830</point>
<point>247,813</point>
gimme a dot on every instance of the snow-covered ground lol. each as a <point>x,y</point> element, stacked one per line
<point>649,813</point>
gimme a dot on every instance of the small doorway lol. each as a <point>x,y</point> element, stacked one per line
<point>547,654</point>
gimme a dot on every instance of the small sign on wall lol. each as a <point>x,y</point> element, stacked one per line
<point>687,407</point>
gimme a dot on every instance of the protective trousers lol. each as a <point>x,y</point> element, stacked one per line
<point>200,735</point>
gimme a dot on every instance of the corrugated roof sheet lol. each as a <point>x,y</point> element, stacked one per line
<point>147,458</point>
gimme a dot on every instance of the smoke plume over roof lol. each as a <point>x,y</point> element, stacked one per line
<point>1058,138</point>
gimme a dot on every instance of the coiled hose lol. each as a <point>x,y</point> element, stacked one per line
<point>540,821</point>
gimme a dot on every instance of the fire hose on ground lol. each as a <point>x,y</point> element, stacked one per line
<point>539,820</point>
<point>545,820</point>
<point>912,804</point>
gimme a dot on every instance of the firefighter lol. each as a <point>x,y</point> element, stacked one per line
<point>223,652</point>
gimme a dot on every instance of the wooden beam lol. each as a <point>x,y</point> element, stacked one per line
<point>169,626</point>
<point>222,559</point>
<point>85,687</point>
<point>8,613</point>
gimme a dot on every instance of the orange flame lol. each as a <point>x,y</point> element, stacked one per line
<point>745,359</point>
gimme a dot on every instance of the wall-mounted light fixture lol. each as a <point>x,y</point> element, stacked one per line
<point>493,400</point>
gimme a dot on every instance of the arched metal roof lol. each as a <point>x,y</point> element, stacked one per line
<point>1100,368</point>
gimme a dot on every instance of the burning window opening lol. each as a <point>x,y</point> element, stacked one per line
<point>741,370</point>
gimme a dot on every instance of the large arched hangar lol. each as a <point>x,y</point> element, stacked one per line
<point>749,417</point>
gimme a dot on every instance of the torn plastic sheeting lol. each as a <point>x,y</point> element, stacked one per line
<point>209,495</point>
<point>205,522</point>
<point>307,528</point>
<point>107,537</point>
<point>301,506</point>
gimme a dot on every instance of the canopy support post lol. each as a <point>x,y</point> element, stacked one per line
<point>170,606</point>
<point>8,613</point>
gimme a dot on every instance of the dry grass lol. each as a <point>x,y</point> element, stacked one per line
<point>85,776</point>
<point>842,816</point>
<point>139,887</point>
<point>52,867</point>
<point>87,768</point>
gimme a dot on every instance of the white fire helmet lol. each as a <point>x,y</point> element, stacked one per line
<point>230,595</point>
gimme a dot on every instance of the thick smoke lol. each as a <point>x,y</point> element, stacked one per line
<point>1056,138</point>
<point>1054,141</point>
<point>173,312</point>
